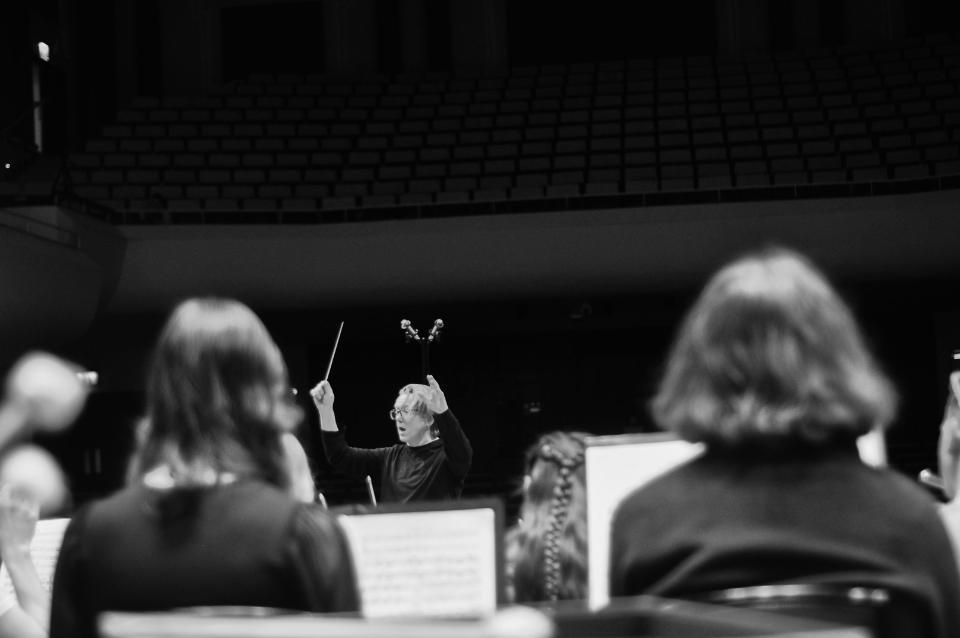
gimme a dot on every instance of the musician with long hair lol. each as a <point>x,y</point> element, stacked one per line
<point>547,550</point>
<point>46,393</point>
<point>207,518</point>
<point>770,372</point>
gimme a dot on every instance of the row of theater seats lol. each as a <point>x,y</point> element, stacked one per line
<point>630,127</point>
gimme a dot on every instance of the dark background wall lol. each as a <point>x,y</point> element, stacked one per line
<point>512,370</point>
<point>540,341</point>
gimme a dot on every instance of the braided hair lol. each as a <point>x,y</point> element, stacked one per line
<point>548,547</point>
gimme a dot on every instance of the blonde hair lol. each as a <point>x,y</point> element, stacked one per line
<point>415,399</point>
<point>770,354</point>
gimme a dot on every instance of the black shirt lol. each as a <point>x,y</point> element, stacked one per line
<point>433,471</point>
<point>726,520</point>
<point>244,543</point>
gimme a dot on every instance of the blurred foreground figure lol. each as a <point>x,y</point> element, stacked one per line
<point>35,471</point>
<point>949,458</point>
<point>302,486</point>
<point>42,392</point>
<point>27,612</point>
<point>547,550</point>
<point>207,518</point>
<point>770,372</point>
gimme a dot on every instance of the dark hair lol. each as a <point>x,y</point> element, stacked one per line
<point>771,355</point>
<point>214,390</point>
<point>548,548</point>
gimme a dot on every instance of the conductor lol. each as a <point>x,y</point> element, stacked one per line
<point>429,463</point>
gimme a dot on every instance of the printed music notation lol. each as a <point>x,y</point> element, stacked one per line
<point>432,563</point>
<point>44,550</point>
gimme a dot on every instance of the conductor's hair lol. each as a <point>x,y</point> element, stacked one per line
<point>770,355</point>
<point>414,397</point>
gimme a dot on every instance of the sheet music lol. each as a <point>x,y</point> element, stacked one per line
<point>615,466</point>
<point>44,550</point>
<point>430,563</point>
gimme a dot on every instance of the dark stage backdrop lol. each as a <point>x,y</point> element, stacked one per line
<point>511,371</point>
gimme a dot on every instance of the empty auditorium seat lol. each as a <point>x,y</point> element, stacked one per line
<point>297,142</point>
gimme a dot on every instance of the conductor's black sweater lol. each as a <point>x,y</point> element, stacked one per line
<point>429,472</point>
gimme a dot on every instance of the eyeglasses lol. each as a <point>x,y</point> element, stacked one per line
<point>394,413</point>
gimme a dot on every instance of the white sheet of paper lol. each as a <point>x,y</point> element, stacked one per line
<point>439,563</point>
<point>615,466</point>
<point>44,550</point>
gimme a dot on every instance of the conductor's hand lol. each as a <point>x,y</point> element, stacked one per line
<point>436,401</point>
<point>322,395</point>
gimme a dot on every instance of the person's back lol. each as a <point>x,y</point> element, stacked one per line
<point>245,543</point>
<point>769,371</point>
<point>208,517</point>
<point>717,523</point>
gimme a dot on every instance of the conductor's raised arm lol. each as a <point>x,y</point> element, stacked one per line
<point>456,445</point>
<point>356,462</point>
<point>322,395</point>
